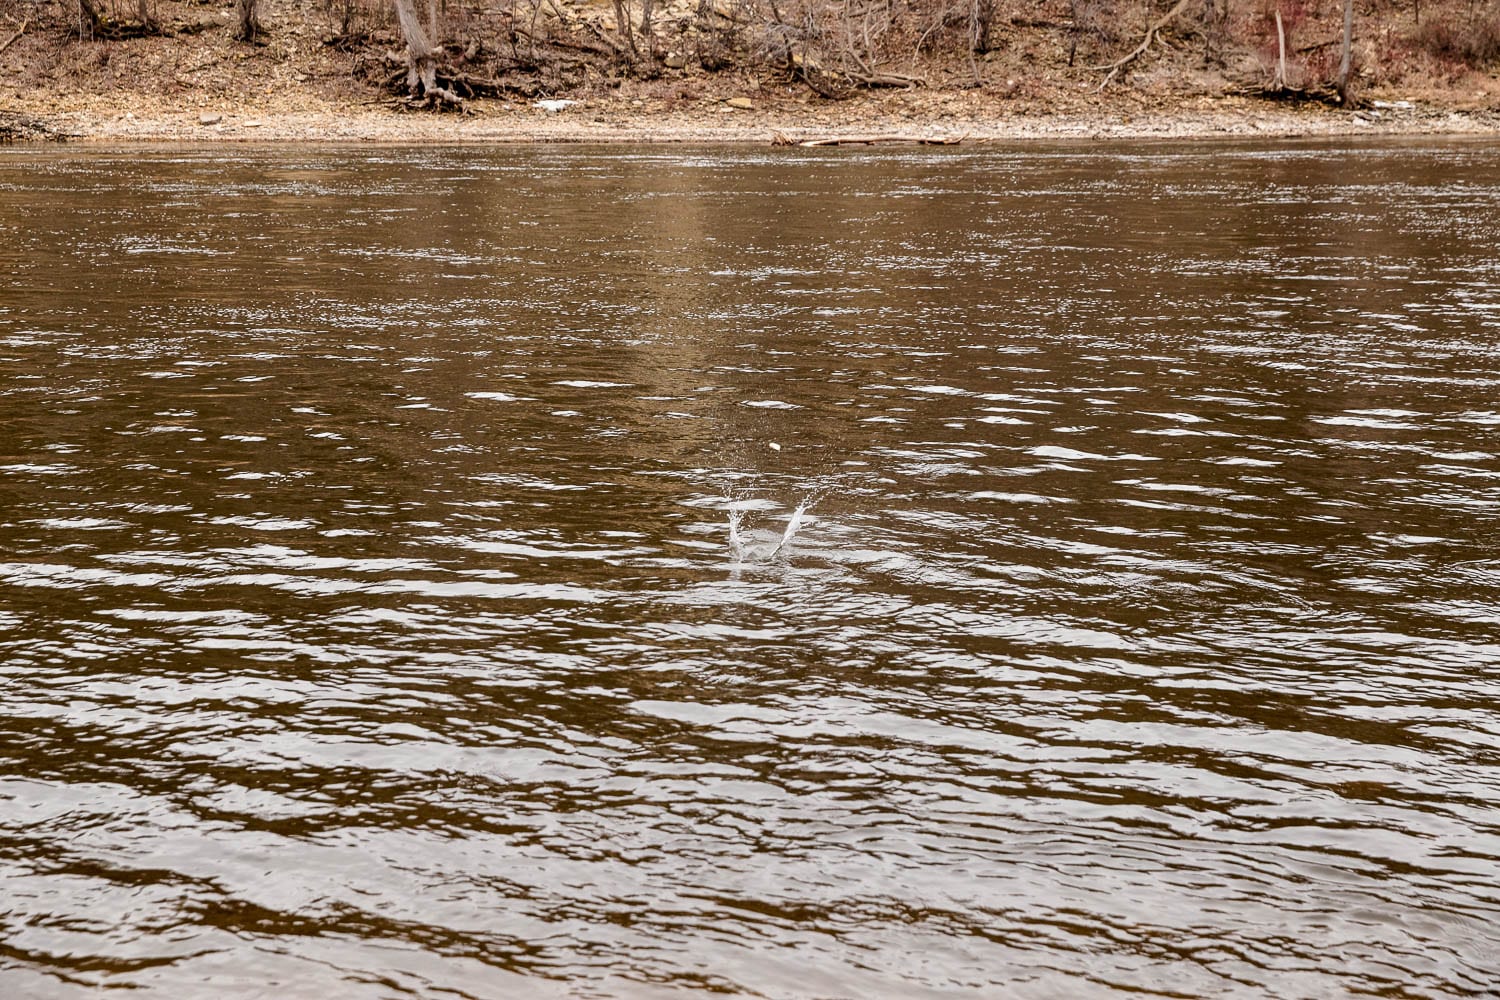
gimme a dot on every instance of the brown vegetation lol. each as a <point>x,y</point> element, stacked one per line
<point>444,53</point>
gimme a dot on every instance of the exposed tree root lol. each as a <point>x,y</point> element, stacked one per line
<point>93,24</point>
<point>109,30</point>
<point>422,84</point>
<point>348,41</point>
<point>473,86</point>
<point>839,86</point>
<point>436,100</point>
<point>446,80</point>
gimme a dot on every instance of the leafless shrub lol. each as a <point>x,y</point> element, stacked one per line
<point>954,25</point>
<point>1277,28</point>
<point>346,15</point>
<point>1093,24</point>
<point>1475,45</point>
<point>720,27</point>
<point>1217,35</point>
<point>835,46</point>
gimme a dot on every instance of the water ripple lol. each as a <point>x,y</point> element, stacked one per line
<point>1069,573</point>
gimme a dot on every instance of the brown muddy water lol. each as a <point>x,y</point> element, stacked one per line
<point>403,593</point>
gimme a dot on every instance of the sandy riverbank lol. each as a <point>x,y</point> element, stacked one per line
<point>973,118</point>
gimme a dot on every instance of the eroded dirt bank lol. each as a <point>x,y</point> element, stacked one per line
<point>554,71</point>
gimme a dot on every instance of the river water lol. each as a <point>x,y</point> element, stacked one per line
<point>403,590</point>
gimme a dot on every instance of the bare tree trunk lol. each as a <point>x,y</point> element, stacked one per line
<point>88,20</point>
<point>1280,82</point>
<point>984,16</point>
<point>421,57</point>
<point>1344,53</point>
<point>622,27</point>
<point>421,62</point>
<point>1073,32</point>
<point>249,25</point>
<point>648,32</point>
<point>1215,18</point>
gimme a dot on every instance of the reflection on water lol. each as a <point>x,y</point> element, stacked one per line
<point>402,595</point>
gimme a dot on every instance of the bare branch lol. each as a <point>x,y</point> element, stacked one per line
<point>11,40</point>
<point>1140,50</point>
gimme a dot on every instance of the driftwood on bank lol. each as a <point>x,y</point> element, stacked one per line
<point>781,139</point>
<point>1325,95</point>
<point>17,127</point>
<point>1140,50</point>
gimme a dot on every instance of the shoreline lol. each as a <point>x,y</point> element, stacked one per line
<point>613,120</point>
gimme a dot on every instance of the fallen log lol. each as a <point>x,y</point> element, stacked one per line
<point>780,139</point>
<point>884,79</point>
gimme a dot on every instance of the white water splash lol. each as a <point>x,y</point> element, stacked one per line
<point>736,539</point>
<point>743,547</point>
<point>792,527</point>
